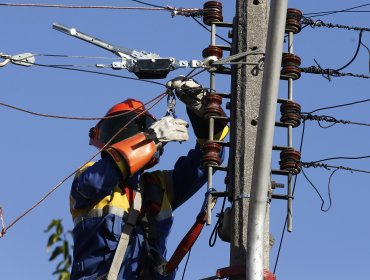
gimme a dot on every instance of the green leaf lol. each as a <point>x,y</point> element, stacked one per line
<point>65,249</point>
<point>54,238</point>
<point>57,251</point>
<point>52,224</point>
<point>64,275</point>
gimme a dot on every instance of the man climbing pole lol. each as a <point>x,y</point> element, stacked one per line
<point>123,215</point>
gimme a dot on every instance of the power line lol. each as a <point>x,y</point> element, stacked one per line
<point>149,4</point>
<point>356,53</point>
<point>327,73</point>
<point>206,28</point>
<point>99,73</point>
<point>286,219</point>
<point>37,5</point>
<point>340,105</point>
<point>336,158</point>
<point>188,12</point>
<point>334,121</point>
<point>316,14</point>
<point>319,194</point>
<point>320,23</point>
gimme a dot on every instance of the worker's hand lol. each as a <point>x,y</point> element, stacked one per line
<point>189,92</point>
<point>168,129</point>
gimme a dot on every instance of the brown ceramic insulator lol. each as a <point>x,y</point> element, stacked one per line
<point>293,21</point>
<point>291,113</point>
<point>212,51</point>
<point>211,154</point>
<point>212,105</point>
<point>290,160</point>
<point>212,12</point>
<point>292,119</point>
<point>290,66</point>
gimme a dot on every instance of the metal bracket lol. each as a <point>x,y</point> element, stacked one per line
<point>145,65</point>
<point>23,59</point>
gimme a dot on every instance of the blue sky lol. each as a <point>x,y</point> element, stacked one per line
<point>37,153</point>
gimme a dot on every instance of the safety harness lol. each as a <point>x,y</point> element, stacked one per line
<point>152,259</point>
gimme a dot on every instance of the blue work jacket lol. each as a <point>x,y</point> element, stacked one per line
<point>99,204</point>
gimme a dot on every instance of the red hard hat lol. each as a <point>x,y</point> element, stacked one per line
<point>130,115</point>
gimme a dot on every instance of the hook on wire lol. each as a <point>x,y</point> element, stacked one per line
<point>6,60</point>
<point>171,103</point>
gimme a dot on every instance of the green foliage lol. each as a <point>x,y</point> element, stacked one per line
<point>60,246</point>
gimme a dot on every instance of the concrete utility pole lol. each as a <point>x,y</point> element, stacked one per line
<point>254,101</point>
<point>249,34</point>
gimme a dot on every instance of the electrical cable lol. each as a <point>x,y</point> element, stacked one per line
<point>149,4</point>
<point>62,117</point>
<point>34,5</point>
<point>99,73</point>
<point>213,237</point>
<point>186,265</point>
<point>368,50</point>
<point>205,27</point>
<point>319,194</point>
<point>286,219</point>
<point>335,158</point>
<point>157,99</point>
<point>324,118</point>
<point>316,14</point>
<point>356,53</point>
<point>75,56</point>
<point>340,105</point>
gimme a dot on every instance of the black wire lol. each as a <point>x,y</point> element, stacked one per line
<point>368,50</point>
<point>286,219</point>
<point>340,105</point>
<point>356,53</point>
<point>318,193</point>
<point>149,4</point>
<point>99,73</point>
<point>317,14</point>
<point>186,265</point>
<point>213,237</point>
<point>334,158</point>
<point>206,28</point>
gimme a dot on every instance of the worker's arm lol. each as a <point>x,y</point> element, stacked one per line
<point>188,176</point>
<point>94,181</point>
<point>123,159</point>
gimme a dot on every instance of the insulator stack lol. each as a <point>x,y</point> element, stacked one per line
<point>293,21</point>
<point>212,105</point>
<point>290,64</point>
<point>212,51</point>
<point>290,160</point>
<point>211,154</point>
<point>212,12</point>
<point>290,113</point>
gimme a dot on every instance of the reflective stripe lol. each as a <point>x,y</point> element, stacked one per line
<point>93,213</point>
<point>117,203</point>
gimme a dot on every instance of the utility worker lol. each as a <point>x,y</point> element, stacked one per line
<point>103,194</point>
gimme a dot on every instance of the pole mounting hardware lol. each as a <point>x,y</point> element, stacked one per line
<point>145,65</point>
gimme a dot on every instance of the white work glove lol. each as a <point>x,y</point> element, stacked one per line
<point>168,129</point>
<point>189,92</point>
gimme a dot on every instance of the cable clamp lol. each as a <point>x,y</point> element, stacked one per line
<point>242,196</point>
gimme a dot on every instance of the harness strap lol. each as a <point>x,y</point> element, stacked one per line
<point>125,237</point>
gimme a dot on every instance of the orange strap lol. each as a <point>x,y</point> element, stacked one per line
<point>186,243</point>
<point>136,150</point>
